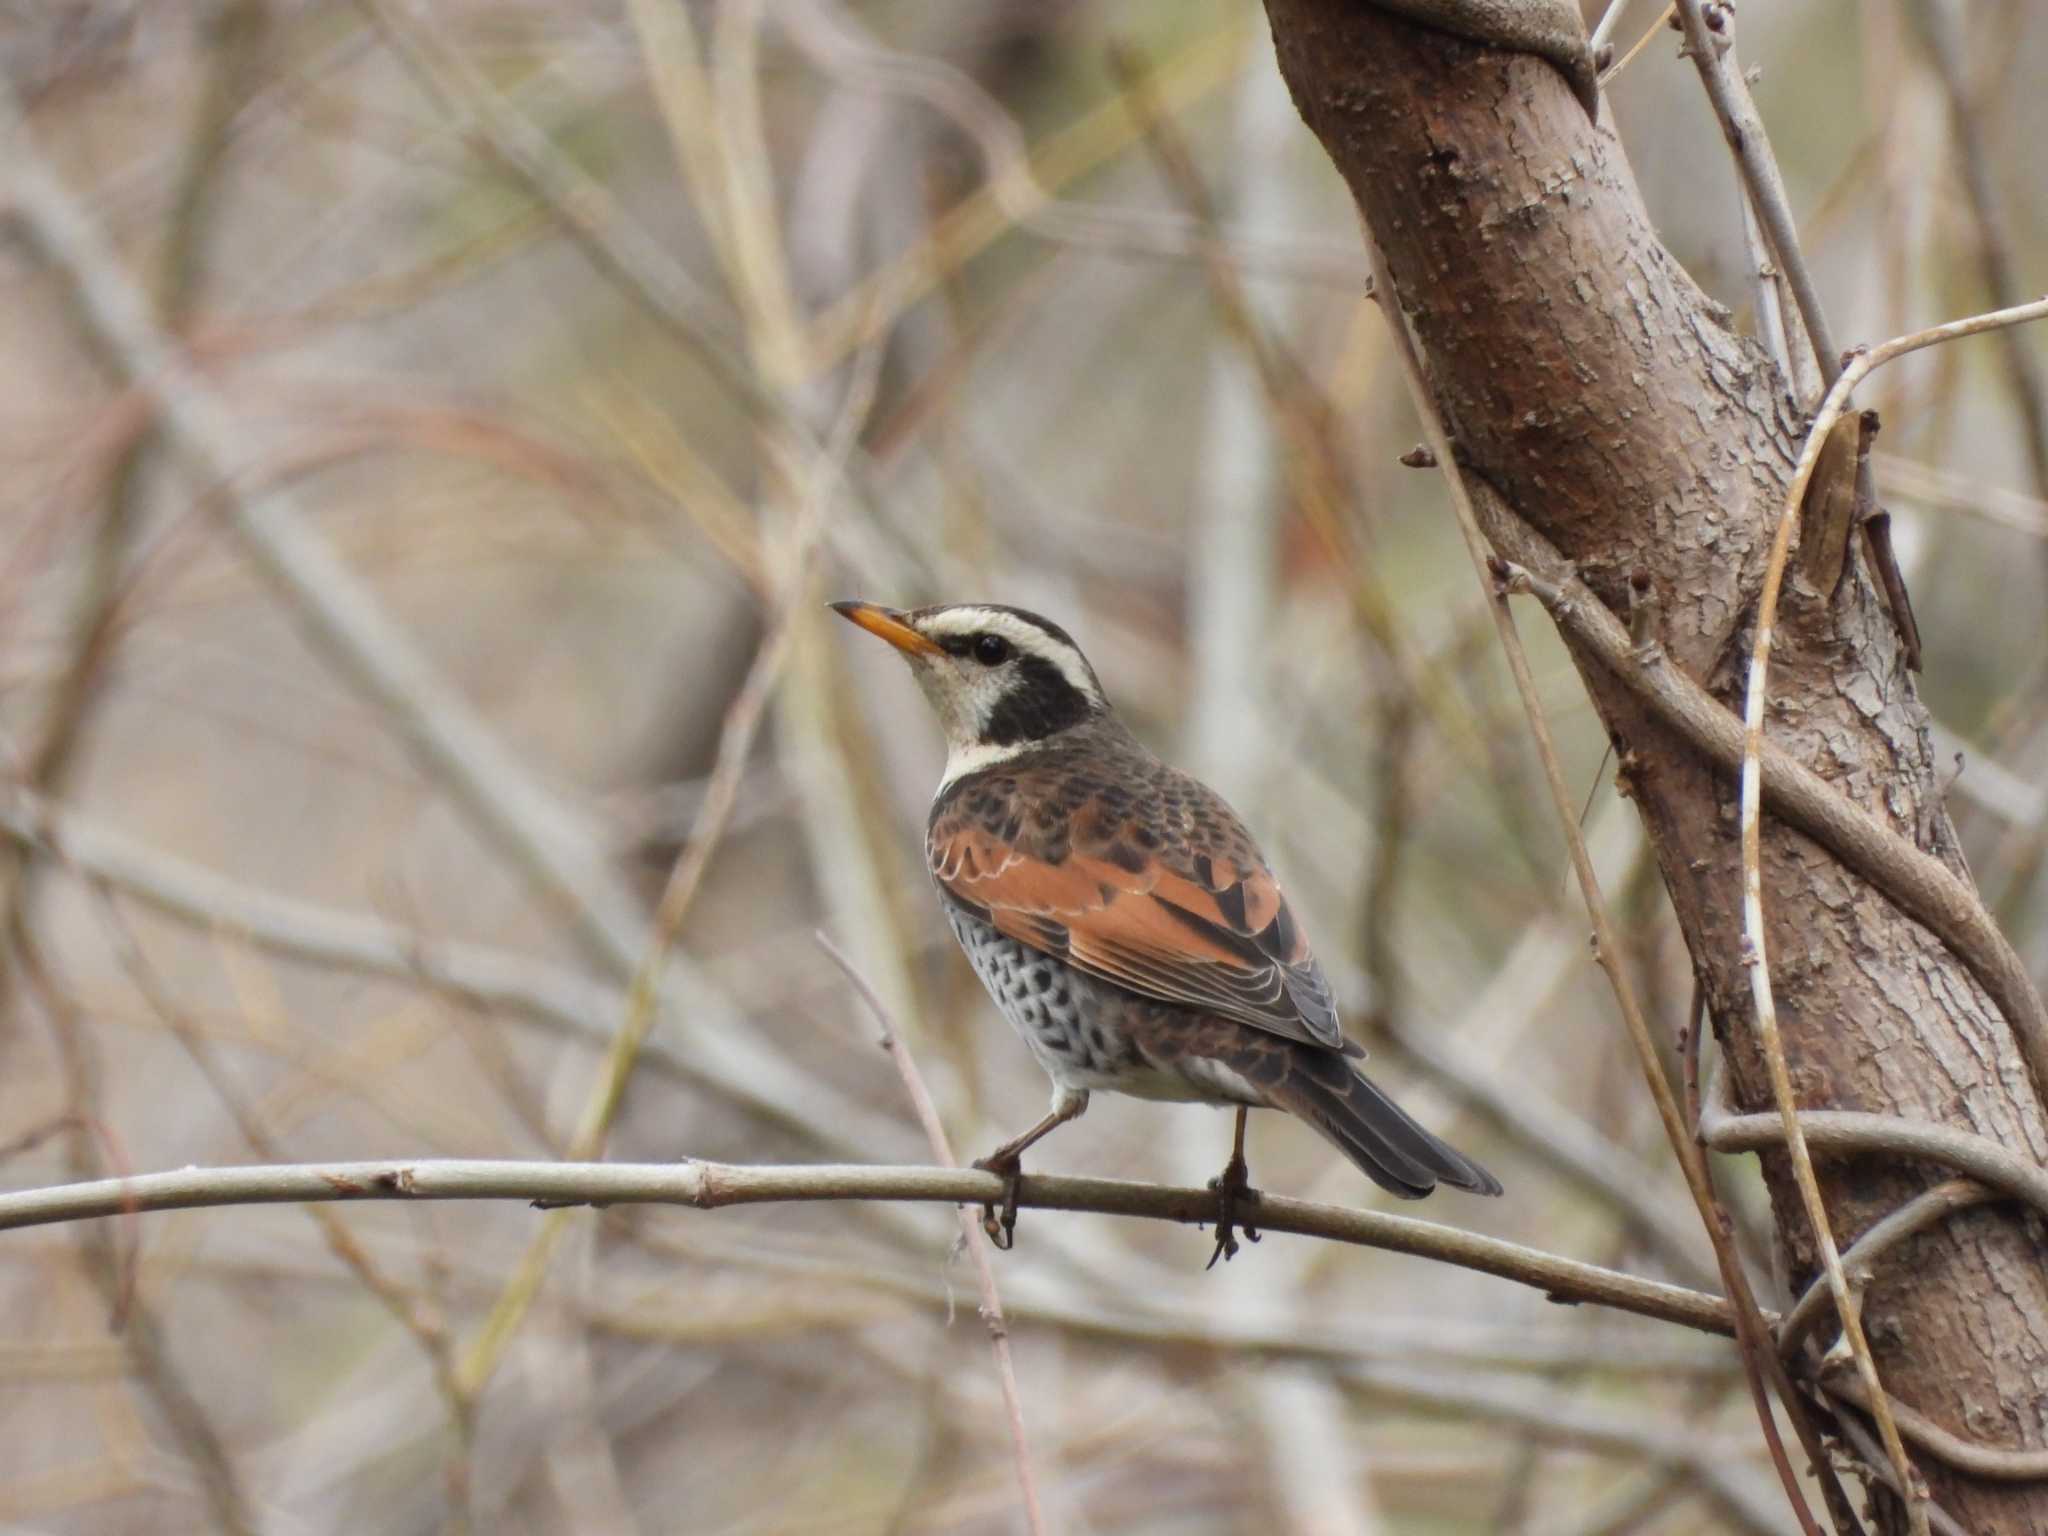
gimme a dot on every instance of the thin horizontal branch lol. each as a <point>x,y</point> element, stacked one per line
<point>708,1186</point>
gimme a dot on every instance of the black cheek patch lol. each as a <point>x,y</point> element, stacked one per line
<point>1039,702</point>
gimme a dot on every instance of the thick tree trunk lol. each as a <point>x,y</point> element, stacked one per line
<point>1585,376</point>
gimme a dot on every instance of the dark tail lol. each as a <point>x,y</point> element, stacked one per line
<point>1324,1089</point>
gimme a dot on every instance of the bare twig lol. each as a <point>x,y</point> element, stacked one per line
<point>335,608</point>
<point>836,44</point>
<point>1710,40</point>
<point>1755,939</point>
<point>1710,45</point>
<point>1689,1045</point>
<point>1574,1146</point>
<point>1770,1042</point>
<point>1916,1215</point>
<point>1740,1502</point>
<point>1759,1360</point>
<point>1770,290</point>
<point>1941,24</point>
<point>111,1273</point>
<point>1713,49</point>
<point>1920,885</point>
<point>403,1307</point>
<point>555,997</point>
<point>735,746</point>
<point>1609,71</point>
<point>711,1186</point>
<point>971,1235</point>
<point>2026,1023</point>
<point>1847,1130</point>
<point>1603,31</point>
<point>1985,1161</point>
<point>1941,1521</point>
<point>1987,1461</point>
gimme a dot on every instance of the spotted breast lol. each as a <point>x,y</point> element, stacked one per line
<point>1120,914</point>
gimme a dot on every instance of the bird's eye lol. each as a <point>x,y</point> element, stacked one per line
<point>991,650</point>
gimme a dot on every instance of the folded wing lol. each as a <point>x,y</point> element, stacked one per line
<point>1134,900</point>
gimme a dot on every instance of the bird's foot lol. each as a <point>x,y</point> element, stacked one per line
<point>1236,1203</point>
<point>1000,1221</point>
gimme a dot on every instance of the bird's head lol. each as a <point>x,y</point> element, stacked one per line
<point>1001,679</point>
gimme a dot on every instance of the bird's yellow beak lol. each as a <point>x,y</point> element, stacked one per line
<point>887,623</point>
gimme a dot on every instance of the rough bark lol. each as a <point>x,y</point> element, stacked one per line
<point>1629,428</point>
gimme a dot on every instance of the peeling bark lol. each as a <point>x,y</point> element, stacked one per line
<point>1590,381</point>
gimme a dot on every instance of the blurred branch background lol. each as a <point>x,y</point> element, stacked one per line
<point>593,348</point>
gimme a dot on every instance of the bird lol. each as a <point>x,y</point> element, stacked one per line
<point>1123,919</point>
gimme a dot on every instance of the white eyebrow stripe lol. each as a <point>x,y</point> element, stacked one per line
<point>1025,636</point>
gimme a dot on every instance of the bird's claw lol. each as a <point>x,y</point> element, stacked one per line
<point>1000,1222</point>
<point>1233,1193</point>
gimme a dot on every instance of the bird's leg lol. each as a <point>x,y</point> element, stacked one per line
<point>1008,1160</point>
<point>1233,1188</point>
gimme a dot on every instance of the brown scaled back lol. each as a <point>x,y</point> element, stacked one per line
<point>1148,880</point>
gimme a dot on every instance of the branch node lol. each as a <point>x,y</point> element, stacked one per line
<point>1645,611</point>
<point>704,1193</point>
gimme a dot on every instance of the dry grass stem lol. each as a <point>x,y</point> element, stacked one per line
<point>971,1236</point>
<point>2033,1041</point>
<point>1759,1360</point>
